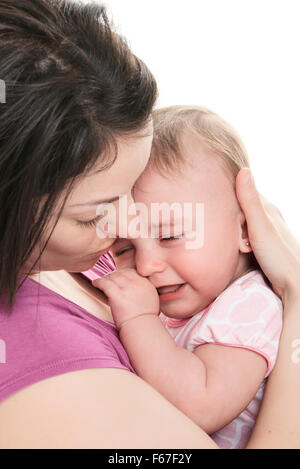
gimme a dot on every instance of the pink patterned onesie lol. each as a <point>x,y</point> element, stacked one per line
<point>248,314</point>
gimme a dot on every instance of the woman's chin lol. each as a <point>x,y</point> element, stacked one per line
<point>87,265</point>
<point>90,261</point>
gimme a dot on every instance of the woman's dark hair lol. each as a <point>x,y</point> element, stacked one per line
<point>72,86</point>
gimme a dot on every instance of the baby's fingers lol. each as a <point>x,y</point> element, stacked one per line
<point>130,274</point>
<point>108,286</point>
<point>117,277</point>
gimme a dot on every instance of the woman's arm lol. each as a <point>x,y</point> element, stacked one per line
<point>95,408</point>
<point>278,252</point>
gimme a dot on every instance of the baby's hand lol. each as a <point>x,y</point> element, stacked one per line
<point>129,295</point>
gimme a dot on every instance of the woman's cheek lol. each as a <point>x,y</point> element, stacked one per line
<point>72,239</point>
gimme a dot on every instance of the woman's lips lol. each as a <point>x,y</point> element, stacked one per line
<point>170,292</point>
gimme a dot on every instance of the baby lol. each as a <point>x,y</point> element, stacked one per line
<point>199,322</point>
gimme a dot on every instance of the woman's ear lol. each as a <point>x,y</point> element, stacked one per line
<point>244,243</point>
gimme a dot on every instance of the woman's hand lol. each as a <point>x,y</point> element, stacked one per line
<point>129,294</point>
<point>275,248</point>
<point>278,253</point>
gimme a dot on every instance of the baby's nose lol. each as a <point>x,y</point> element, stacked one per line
<point>148,262</point>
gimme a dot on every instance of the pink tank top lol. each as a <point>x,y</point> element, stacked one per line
<point>46,335</point>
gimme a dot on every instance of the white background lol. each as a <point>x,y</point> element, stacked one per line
<point>239,58</point>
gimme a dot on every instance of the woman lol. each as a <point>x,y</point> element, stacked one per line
<point>76,130</point>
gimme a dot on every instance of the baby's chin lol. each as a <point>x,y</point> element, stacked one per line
<point>187,314</point>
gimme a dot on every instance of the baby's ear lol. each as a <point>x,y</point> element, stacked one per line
<point>244,243</point>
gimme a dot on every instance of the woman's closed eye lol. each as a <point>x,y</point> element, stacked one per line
<point>90,223</point>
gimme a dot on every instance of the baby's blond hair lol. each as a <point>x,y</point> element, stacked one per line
<point>170,123</point>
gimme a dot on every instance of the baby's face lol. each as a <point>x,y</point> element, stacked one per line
<point>188,279</point>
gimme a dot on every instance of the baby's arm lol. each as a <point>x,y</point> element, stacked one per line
<point>212,385</point>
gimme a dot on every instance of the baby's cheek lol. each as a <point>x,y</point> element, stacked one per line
<point>204,271</point>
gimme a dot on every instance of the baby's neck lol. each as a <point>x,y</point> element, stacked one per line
<point>246,263</point>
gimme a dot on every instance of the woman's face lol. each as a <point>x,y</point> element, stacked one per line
<point>74,245</point>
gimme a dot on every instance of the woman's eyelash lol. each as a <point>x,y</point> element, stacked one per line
<point>90,223</point>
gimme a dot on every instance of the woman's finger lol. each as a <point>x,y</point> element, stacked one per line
<point>270,208</point>
<point>269,236</point>
<point>252,206</point>
<point>264,220</point>
<point>282,227</point>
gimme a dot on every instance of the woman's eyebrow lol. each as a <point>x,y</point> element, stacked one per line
<point>95,202</point>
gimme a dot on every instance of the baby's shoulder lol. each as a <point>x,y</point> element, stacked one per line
<point>248,288</point>
<point>247,298</point>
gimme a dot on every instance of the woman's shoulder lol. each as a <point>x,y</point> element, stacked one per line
<point>46,335</point>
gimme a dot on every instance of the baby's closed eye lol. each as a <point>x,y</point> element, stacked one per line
<point>123,252</point>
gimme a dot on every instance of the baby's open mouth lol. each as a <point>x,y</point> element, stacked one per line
<point>169,288</point>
